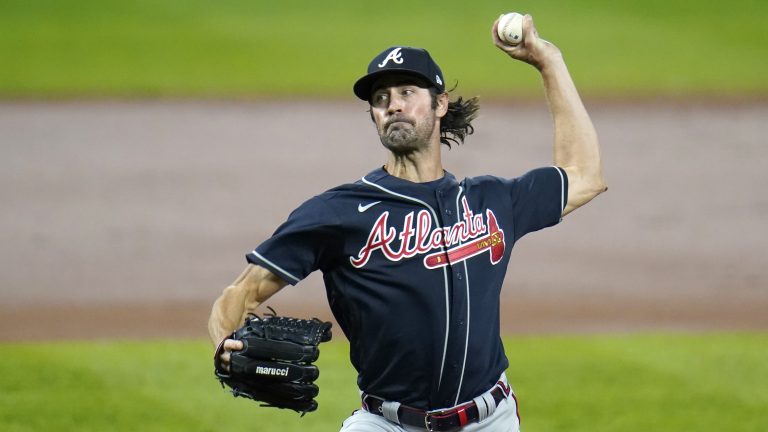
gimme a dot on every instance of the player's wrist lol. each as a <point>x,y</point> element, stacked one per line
<point>551,63</point>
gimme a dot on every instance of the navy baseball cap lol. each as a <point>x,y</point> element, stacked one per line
<point>413,61</point>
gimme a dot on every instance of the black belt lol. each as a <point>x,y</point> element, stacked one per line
<point>438,421</point>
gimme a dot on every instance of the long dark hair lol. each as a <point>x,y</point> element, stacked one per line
<point>457,122</point>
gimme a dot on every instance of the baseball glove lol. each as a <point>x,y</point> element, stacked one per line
<point>275,365</point>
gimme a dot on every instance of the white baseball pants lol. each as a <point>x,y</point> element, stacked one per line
<point>504,419</point>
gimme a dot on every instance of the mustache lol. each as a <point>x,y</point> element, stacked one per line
<point>398,119</point>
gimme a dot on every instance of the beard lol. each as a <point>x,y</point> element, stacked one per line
<point>401,135</point>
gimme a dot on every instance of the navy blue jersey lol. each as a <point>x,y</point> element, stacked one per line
<point>413,273</point>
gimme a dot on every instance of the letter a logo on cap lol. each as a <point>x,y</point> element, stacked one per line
<point>393,55</point>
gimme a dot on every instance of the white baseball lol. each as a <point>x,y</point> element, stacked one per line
<point>510,28</point>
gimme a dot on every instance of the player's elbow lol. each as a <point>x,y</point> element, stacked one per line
<point>583,189</point>
<point>592,180</point>
<point>586,183</point>
<point>597,186</point>
<point>592,188</point>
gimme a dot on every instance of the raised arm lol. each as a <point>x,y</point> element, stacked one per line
<point>576,148</point>
<point>253,287</point>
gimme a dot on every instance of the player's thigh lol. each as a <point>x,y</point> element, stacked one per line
<point>363,421</point>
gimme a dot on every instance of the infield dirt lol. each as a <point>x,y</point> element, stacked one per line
<point>127,219</point>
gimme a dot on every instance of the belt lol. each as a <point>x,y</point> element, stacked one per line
<point>446,420</point>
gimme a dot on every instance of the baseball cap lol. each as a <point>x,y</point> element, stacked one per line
<point>408,60</point>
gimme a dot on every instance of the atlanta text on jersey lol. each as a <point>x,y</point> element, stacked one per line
<point>418,236</point>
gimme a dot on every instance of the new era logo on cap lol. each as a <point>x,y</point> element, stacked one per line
<point>399,59</point>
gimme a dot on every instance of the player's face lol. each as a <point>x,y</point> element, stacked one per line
<point>403,113</point>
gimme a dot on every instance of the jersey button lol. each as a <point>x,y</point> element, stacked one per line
<point>460,276</point>
<point>448,212</point>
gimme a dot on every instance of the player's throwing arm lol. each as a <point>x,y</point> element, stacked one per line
<point>576,147</point>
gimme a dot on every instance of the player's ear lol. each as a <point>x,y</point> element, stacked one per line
<point>442,104</point>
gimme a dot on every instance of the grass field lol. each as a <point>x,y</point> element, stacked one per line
<point>246,48</point>
<point>565,383</point>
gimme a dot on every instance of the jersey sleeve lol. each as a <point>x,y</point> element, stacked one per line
<point>305,242</point>
<point>538,199</point>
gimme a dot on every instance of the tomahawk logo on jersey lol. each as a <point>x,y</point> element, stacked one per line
<point>438,253</point>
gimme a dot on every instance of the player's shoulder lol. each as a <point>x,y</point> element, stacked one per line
<point>343,194</point>
<point>354,189</point>
<point>483,181</point>
<point>539,172</point>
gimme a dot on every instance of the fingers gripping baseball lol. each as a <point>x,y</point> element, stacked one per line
<point>532,50</point>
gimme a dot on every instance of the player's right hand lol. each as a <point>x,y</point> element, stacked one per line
<point>532,50</point>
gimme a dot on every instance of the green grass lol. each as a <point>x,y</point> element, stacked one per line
<point>642,382</point>
<point>247,48</point>
<point>565,383</point>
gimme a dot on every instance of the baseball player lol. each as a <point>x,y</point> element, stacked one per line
<point>413,258</point>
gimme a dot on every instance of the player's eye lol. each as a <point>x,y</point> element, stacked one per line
<point>379,99</point>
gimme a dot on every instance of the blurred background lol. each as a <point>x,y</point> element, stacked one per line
<point>147,146</point>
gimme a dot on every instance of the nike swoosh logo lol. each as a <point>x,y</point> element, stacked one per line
<point>361,208</point>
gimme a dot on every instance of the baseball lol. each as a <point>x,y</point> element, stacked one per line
<point>510,28</point>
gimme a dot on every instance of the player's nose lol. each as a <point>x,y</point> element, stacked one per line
<point>395,105</point>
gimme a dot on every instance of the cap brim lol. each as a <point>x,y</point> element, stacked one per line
<point>364,86</point>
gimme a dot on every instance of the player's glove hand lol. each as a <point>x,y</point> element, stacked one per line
<point>275,365</point>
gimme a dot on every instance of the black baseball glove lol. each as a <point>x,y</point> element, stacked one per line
<point>275,365</point>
